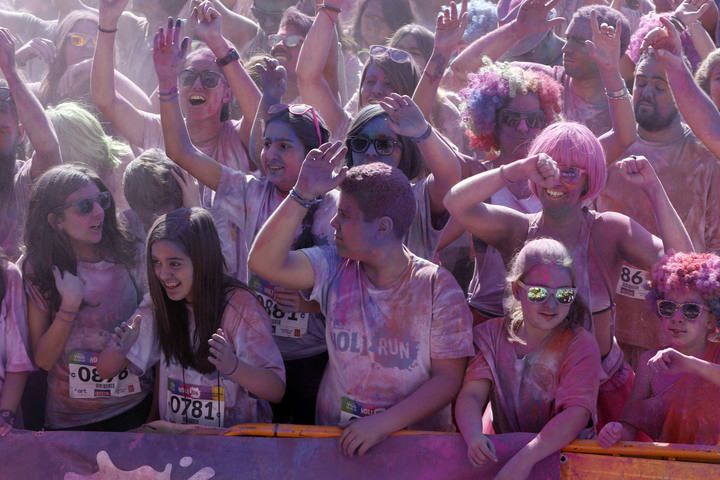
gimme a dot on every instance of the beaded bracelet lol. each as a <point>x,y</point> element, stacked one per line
<point>304,203</point>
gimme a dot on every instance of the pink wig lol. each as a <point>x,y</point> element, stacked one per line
<point>574,144</point>
<point>647,23</point>
<point>685,272</point>
<point>381,191</point>
<point>491,89</point>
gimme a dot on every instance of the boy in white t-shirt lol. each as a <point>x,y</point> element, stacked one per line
<point>398,329</point>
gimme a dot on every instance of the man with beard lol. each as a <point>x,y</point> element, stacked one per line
<point>587,86</point>
<point>691,177</point>
<point>20,114</point>
<point>286,44</point>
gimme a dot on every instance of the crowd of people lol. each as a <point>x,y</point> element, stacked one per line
<point>375,214</point>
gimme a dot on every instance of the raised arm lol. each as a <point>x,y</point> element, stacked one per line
<point>207,28</point>
<point>274,81</point>
<point>168,55</point>
<point>503,228</point>
<point>604,50</point>
<point>449,31</point>
<point>270,255</point>
<point>314,55</point>
<point>696,107</point>
<point>407,120</point>
<point>531,20</point>
<point>689,13</point>
<point>29,111</point>
<point>239,29</point>
<point>127,119</point>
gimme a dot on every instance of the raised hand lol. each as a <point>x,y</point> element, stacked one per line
<point>111,10</point>
<point>206,21</point>
<point>70,288</point>
<point>317,174</point>
<point>542,170</point>
<point>274,81</point>
<point>126,334</point>
<point>7,51</point>
<point>665,45</point>
<point>222,353</point>
<point>481,450</point>
<point>637,169</point>
<point>449,28</point>
<point>604,48</point>
<point>189,188</point>
<point>690,10</point>
<point>610,434</point>
<point>41,48</point>
<point>532,16</point>
<point>169,51</point>
<point>406,119</point>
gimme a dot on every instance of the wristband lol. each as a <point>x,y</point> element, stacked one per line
<point>107,30</point>
<point>169,92</point>
<point>426,134</point>
<point>618,94</point>
<point>68,312</point>
<point>229,57</point>
<point>304,203</point>
<point>8,416</point>
<point>167,98</point>
<point>677,23</point>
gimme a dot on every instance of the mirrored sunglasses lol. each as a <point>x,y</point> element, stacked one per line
<point>667,308</point>
<point>383,146</point>
<point>298,109</point>
<point>208,78</point>
<point>289,41</point>
<point>396,55</point>
<point>539,294</point>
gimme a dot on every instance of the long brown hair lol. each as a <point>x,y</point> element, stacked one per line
<point>193,230</point>
<point>48,247</point>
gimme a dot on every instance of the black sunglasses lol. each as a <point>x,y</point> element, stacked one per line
<point>85,205</point>
<point>532,119</point>
<point>383,146</point>
<point>208,78</point>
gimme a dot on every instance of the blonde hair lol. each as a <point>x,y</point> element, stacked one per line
<point>541,251</point>
<point>83,140</point>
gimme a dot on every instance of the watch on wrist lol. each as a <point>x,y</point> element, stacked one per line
<point>230,57</point>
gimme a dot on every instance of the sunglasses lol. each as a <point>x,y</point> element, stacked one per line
<point>667,308</point>
<point>5,95</point>
<point>512,119</point>
<point>80,40</point>
<point>383,146</point>
<point>290,41</point>
<point>396,55</point>
<point>298,109</point>
<point>538,294</point>
<point>208,78</point>
<point>85,205</point>
<point>571,174</point>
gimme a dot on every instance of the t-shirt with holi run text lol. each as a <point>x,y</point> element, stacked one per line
<point>242,205</point>
<point>13,327</point>
<point>190,397</point>
<point>227,148</point>
<point>690,175</point>
<point>680,408</point>
<point>381,342</point>
<point>13,208</point>
<point>528,391</point>
<point>77,395</point>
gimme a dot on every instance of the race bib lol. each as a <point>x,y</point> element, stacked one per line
<point>633,282</point>
<point>195,404</point>
<point>86,382</point>
<point>351,409</point>
<point>284,324</point>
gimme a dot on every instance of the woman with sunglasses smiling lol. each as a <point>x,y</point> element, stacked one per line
<point>244,202</point>
<point>79,272</point>
<point>537,365</point>
<point>205,80</point>
<point>566,170</point>
<point>667,397</point>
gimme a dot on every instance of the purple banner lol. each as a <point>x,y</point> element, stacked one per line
<point>147,456</point>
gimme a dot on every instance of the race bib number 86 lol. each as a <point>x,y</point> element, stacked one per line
<point>633,282</point>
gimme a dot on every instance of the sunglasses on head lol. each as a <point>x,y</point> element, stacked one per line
<point>383,146</point>
<point>396,55</point>
<point>667,308</point>
<point>298,109</point>
<point>85,205</point>
<point>289,41</point>
<point>512,119</point>
<point>80,40</point>
<point>538,294</point>
<point>208,78</point>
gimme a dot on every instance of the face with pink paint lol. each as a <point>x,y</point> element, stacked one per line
<point>682,333</point>
<point>203,88</point>
<point>541,318</point>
